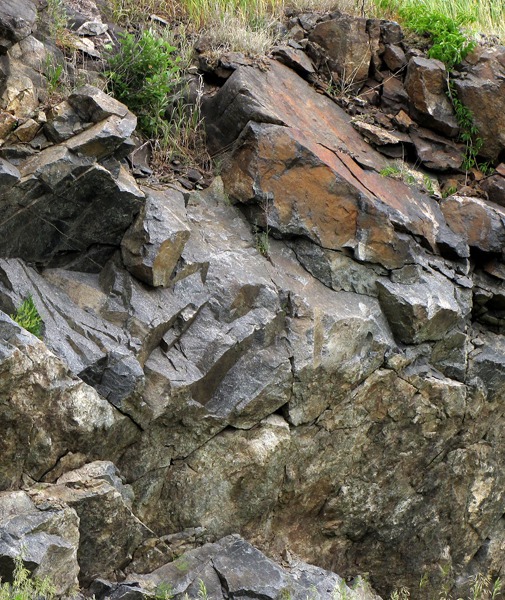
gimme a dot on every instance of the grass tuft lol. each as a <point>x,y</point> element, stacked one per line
<point>28,317</point>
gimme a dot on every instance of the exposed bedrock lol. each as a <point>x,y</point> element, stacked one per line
<point>306,353</point>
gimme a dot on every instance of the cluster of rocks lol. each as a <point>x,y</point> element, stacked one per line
<point>397,95</point>
<point>336,396</point>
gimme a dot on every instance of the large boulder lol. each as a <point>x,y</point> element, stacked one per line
<point>108,531</point>
<point>233,568</point>
<point>49,414</point>
<point>309,173</point>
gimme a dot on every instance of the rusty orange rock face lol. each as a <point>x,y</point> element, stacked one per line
<point>301,168</point>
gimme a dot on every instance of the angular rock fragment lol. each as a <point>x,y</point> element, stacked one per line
<point>481,88</point>
<point>421,309</point>
<point>478,222</point>
<point>426,85</point>
<point>494,186</point>
<point>435,152</point>
<point>153,245</point>
<point>346,42</point>
<point>9,175</point>
<point>67,208</point>
<point>17,21</point>
<point>109,532</point>
<point>45,538</point>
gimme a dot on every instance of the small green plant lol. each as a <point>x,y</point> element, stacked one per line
<point>25,588</point>
<point>391,171</point>
<point>54,74</point>
<point>143,73</point>
<point>202,590</point>
<point>428,184</point>
<point>262,242</point>
<point>57,19</point>
<point>401,594</point>
<point>449,191</point>
<point>468,133</point>
<point>164,591</point>
<point>400,173</point>
<point>28,317</point>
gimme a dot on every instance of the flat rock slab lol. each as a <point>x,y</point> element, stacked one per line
<point>278,95</point>
<point>233,568</point>
<point>294,184</point>
<point>299,159</point>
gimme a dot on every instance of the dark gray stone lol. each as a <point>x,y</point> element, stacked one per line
<point>9,175</point>
<point>17,21</point>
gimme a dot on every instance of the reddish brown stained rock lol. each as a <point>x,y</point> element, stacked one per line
<point>482,90</point>
<point>280,96</point>
<point>478,222</point>
<point>426,85</point>
<point>306,189</point>
<point>347,43</point>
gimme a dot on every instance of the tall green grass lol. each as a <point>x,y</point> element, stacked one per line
<point>477,16</point>
<point>256,16</point>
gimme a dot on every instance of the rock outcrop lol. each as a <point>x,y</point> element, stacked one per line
<point>306,353</point>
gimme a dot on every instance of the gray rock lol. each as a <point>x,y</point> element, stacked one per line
<point>422,309</point>
<point>45,538</point>
<point>109,532</point>
<point>234,568</point>
<point>9,175</point>
<point>153,245</point>
<point>62,123</point>
<point>67,209</point>
<point>45,420</point>
<point>93,105</point>
<point>17,21</point>
<point>295,59</point>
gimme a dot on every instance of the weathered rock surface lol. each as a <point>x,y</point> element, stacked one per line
<point>17,21</point>
<point>420,307</point>
<point>45,536</point>
<point>48,413</point>
<point>232,568</point>
<point>319,367</point>
<point>67,208</point>
<point>346,43</point>
<point>426,85</point>
<point>481,87</point>
<point>154,243</point>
